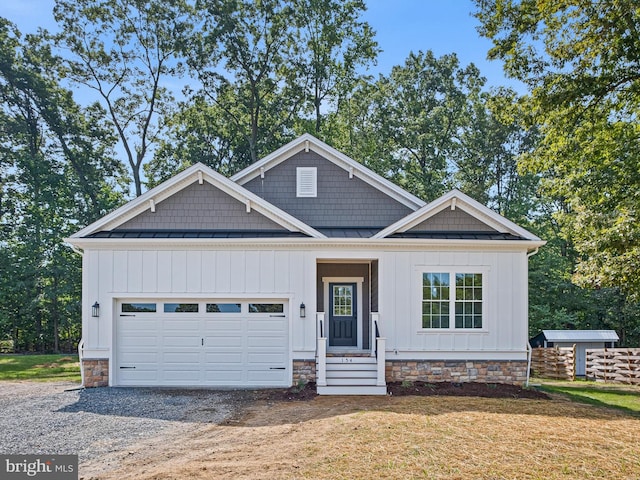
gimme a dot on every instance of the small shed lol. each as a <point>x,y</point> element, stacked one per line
<point>583,340</point>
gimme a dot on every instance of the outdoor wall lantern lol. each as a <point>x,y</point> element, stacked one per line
<point>303,310</point>
<point>95,310</point>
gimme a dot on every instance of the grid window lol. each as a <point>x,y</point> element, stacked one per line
<point>452,300</point>
<point>468,300</point>
<point>343,301</point>
<point>435,300</point>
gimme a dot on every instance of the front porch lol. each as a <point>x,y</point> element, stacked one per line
<point>350,352</point>
<point>350,372</point>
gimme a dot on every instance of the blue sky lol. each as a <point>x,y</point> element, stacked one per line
<point>402,26</point>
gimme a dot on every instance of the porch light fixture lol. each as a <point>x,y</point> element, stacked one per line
<point>303,310</point>
<point>95,310</point>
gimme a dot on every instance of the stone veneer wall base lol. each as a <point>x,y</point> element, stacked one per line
<point>304,371</point>
<point>96,372</point>
<point>484,371</point>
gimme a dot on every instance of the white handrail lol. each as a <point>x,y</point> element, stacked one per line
<point>321,352</point>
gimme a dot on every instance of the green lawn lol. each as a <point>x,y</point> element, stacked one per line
<point>45,368</point>
<point>621,397</point>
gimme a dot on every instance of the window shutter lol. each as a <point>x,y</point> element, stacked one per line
<point>307,182</point>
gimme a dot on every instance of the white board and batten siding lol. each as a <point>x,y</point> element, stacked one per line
<point>503,335</point>
<point>289,275</point>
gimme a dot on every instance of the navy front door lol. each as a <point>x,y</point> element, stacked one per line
<point>343,315</point>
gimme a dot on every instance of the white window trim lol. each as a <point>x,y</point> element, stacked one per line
<point>418,271</point>
<point>311,174</point>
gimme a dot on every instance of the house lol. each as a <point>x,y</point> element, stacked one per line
<point>305,266</point>
<point>582,339</point>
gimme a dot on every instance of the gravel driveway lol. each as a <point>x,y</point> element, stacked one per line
<point>52,418</point>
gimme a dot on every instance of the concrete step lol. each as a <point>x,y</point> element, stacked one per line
<point>352,390</point>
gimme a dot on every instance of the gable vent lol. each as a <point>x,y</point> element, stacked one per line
<point>306,182</point>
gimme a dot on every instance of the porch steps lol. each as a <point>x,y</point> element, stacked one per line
<point>352,375</point>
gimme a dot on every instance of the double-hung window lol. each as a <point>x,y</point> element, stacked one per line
<point>452,300</point>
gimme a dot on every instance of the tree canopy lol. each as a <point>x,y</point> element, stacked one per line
<point>581,61</point>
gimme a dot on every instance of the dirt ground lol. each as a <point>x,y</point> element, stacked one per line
<point>436,437</point>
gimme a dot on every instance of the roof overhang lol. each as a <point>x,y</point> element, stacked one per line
<point>303,243</point>
<point>308,142</point>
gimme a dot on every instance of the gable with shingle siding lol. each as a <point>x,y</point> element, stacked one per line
<point>340,202</point>
<point>449,220</point>
<point>200,207</point>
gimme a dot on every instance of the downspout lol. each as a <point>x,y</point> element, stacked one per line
<point>529,352</point>
<point>80,350</point>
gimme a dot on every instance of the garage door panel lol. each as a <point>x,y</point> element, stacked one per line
<point>183,376</point>
<point>272,376</point>
<point>275,341</point>
<point>223,323</point>
<point>181,341</point>
<point>272,359</point>
<point>230,357</point>
<point>138,357</point>
<point>266,325</point>
<point>139,376</point>
<point>180,357</point>
<point>182,324</point>
<point>232,341</point>
<point>135,341</point>
<point>203,348</point>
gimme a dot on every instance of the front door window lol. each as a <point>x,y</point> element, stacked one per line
<point>343,300</point>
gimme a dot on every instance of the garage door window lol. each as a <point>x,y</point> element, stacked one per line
<point>223,308</point>
<point>138,307</point>
<point>181,307</point>
<point>266,308</point>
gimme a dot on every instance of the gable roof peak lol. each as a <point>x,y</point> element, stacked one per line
<point>308,142</point>
<point>200,173</point>
<point>456,199</point>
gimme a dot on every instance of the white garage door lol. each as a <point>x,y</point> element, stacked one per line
<point>202,343</point>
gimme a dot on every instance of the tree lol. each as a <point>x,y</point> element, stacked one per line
<point>421,107</point>
<point>581,61</point>
<point>58,173</point>
<point>198,132</point>
<point>491,141</point>
<point>334,45</point>
<point>242,58</point>
<point>125,50</point>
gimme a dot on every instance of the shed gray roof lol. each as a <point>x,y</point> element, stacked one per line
<point>581,335</point>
